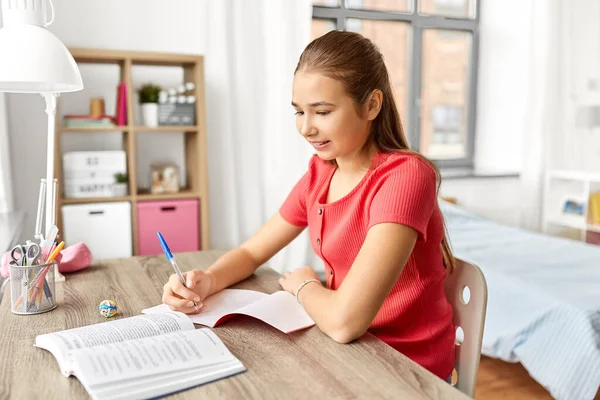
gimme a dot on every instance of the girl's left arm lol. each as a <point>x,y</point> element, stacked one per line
<point>346,314</point>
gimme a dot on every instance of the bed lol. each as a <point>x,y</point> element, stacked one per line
<point>543,300</point>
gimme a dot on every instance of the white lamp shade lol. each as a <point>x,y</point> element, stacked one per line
<point>33,60</point>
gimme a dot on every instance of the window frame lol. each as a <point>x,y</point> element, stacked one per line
<point>419,23</point>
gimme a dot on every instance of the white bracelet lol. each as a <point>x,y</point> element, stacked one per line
<point>306,282</point>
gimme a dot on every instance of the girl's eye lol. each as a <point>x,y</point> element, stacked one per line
<point>323,112</point>
<point>299,113</point>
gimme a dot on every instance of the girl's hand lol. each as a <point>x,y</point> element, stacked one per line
<point>181,298</point>
<point>291,280</point>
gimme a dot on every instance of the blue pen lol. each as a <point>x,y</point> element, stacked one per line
<point>171,259</point>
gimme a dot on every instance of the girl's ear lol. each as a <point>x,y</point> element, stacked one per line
<point>374,104</point>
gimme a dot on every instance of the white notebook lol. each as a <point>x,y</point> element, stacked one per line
<point>141,357</point>
<point>280,309</point>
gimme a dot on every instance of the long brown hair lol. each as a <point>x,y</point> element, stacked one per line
<point>356,62</point>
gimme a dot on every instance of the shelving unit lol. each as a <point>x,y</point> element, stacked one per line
<point>194,136</point>
<point>561,185</point>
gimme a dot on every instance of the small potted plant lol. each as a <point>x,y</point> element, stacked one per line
<point>120,185</point>
<point>149,101</point>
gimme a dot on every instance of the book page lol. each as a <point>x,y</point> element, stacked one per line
<point>168,383</point>
<point>60,343</point>
<point>222,303</point>
<point>117,363</point>
<point>281,310</point>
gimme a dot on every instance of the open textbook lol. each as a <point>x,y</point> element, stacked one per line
<point>280,309</point>
<point>141,357</point>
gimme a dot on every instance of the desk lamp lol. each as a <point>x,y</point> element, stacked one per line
<point>33,60</point>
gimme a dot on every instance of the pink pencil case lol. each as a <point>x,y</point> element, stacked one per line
<point>70,259</point>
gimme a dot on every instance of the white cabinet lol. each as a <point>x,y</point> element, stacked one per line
<point>568,204</point>
<point>105,228</point>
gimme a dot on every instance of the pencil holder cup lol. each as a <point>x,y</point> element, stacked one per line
<point>32,288</point>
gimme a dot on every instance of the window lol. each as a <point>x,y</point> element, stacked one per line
<point>430,49</point>
<point>319,27</point>
<point>392,38</point>
<point>447,137</point>
<point>448,8</point>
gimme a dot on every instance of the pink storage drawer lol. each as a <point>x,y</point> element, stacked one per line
<point>177,220</point>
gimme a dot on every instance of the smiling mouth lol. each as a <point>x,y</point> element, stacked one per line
<point>320,144</point>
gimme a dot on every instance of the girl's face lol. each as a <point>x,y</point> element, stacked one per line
<point>327,117</point>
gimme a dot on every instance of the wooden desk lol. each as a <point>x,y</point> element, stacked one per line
<point>305,364</point>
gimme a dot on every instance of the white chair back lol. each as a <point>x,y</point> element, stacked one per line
<point>469,309</point>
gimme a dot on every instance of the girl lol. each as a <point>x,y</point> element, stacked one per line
<point>370,205</point>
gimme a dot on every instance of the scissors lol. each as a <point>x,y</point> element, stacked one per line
<point>25,255</point>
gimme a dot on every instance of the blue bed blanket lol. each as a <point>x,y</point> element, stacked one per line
<point>543,300</point>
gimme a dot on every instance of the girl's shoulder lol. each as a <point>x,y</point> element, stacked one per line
<point>404,163</point>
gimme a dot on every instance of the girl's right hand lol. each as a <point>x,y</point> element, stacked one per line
<point>181,298</point>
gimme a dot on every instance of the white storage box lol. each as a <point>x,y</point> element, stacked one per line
<point>95,160</point>
<point>104,227</point>
<point>78,189</point>
<point>95,175</point>
<point>92,173</point>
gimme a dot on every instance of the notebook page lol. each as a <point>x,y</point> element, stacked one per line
<point>280,310</point>
<point>222,303</point>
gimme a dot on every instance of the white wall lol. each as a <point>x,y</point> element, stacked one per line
<point>502,84</point>
<point>141,25</point>
<point>494,198</point>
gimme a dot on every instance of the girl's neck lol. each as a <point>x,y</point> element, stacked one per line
<point>357,162</point>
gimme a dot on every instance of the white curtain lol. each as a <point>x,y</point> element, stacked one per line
<point>6,196</point>
<point>580,145</point>
<point>255,153</point>
<point>544,120</point>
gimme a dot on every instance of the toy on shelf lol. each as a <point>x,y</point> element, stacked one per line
<point>165,178</point>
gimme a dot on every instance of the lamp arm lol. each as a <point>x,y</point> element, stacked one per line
<point>50,99</point>
<point>51,185</point>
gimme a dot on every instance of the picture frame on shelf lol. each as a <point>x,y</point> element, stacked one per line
<point>165,178</point>
<point>573,206</point>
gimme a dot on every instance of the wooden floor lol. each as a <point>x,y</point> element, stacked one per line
<point>499,380</point>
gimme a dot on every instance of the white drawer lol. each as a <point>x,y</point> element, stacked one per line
<point>104,227</point>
